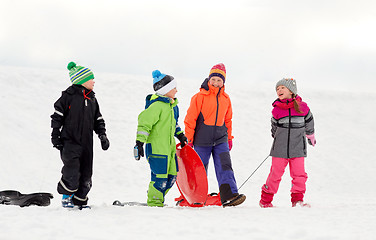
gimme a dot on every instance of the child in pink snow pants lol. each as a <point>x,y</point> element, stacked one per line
<point>292,124</point>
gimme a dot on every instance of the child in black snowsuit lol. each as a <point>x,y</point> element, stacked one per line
<point>75,118</point>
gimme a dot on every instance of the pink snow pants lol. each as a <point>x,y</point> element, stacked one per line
<point>297,173</point>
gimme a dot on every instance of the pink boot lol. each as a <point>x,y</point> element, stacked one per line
<point>266,200</point>
<point>297,200</point>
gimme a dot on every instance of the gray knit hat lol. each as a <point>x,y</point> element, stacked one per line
<point>289,83</point>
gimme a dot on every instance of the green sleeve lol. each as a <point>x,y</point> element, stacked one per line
<point>146,120</point>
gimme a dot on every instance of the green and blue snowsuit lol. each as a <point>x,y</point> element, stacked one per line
<point>157,126</point>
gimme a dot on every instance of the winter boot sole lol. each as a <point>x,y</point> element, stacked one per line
<point>235,202</point>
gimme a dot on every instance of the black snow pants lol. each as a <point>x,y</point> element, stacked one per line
<point>76,172</point>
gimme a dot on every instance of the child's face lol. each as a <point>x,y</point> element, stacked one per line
<point>283,92</point>
<point>172,93</point>
<point>216,82</point>
<point>89,84</point>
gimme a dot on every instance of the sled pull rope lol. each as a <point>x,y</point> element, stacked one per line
<point>253,172</point>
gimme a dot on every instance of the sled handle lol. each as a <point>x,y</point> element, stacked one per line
<point>178,146</point>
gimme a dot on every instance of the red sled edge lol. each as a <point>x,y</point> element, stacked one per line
<point>212,199</point>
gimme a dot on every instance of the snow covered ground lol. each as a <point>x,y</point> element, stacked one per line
<point>341,168</point>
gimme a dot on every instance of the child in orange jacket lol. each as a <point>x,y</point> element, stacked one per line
<point>208,127</point>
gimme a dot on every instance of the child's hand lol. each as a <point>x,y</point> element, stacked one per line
<point>138,150</point>
<point>183,139</point>
<point>105,143</point>
<point>56,140</point>
<point>311,139</point>
<point>230,144</point>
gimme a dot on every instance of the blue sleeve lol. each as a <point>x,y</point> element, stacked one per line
<point>176,116</point>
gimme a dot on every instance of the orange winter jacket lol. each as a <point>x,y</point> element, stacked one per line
<point>209,117</point>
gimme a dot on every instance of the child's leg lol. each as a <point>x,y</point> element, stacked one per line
<point>85,183</point>
<point>170,182</point>
<point>69,182</point>
<point>158,188</point>
<point>155,196</point>
<point>172,172</point>
<point>204,153</point>
<point>299,179</point>
<point>223,169</point>
<point>272,183</point>
<point>156,191</point>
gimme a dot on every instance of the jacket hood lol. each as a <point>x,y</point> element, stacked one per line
<point>298,98</point>
<point>206,87</point>
<point>79,88</point>
<point>152,98</point>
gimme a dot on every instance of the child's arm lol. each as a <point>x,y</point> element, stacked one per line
<point>228,122</point>
<point>309,124</point>
<point>100,128</point>
<point>146,121</point>
<point>57,120</point>
<point>310,128</point>
<point>61,109</point>
<point>274,126</point>
<point>99,124</point>
<point>176,116</point>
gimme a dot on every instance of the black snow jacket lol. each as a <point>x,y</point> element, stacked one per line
<point>77,113</point>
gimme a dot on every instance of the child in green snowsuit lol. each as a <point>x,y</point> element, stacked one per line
<point>157,126</point>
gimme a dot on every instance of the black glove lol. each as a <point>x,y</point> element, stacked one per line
<point>183,139</point>
<point>138,150</point>
<point>104,142</point>
<point>56,140</point>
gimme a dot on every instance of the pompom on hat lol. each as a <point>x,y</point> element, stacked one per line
<point>218,70</point>
<point>78,74</point>
<point>163,83</point>
<point>290,83</point>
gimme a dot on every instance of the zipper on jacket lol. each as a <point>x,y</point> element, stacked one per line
<point>216,116</point>
<point>84,113</point>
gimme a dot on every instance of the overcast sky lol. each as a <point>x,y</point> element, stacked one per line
<point>255,39</point>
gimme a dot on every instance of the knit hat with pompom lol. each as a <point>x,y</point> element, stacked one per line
<point>218,70</point>
<point>78,74</point>
<point>163,83</point>
<point>290,83</point>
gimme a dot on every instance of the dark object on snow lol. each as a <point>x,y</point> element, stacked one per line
<point>122,204</point>
<point>12,197</point>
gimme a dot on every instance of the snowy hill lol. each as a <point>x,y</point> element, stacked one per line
<point>341,168</point>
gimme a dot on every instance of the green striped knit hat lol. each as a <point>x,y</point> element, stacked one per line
<point>79,75</point>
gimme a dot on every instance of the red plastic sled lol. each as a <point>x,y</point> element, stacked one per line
<point>192,181</point>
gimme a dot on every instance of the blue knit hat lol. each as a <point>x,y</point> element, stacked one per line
<point>79,75</point>
<point>163,83</point>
